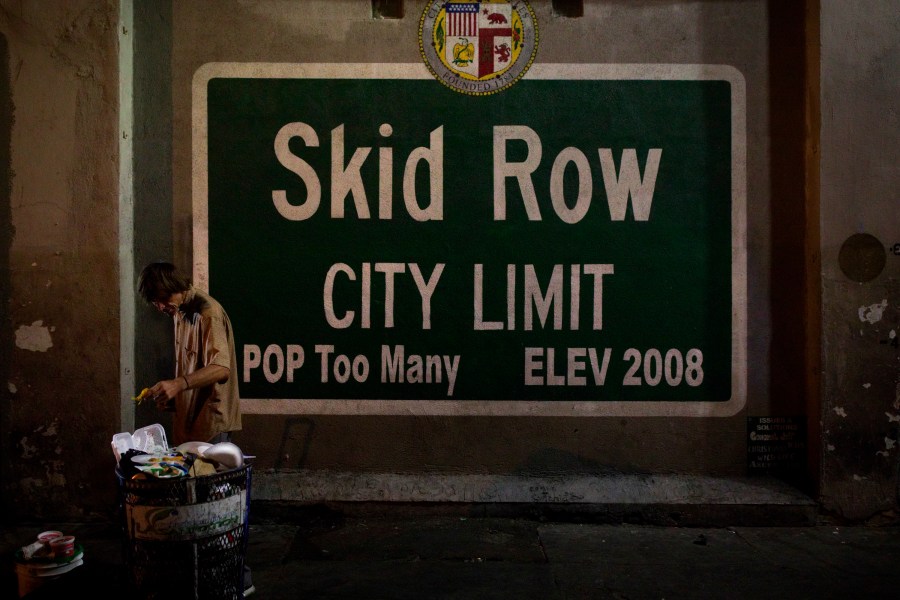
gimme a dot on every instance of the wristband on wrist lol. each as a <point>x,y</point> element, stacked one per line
<point>187,385</point>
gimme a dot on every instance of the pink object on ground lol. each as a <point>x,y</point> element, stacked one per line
<point>63,546</point>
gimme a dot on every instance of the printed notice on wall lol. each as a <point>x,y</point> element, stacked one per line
<point>574,245</point>
<point>776,445</point>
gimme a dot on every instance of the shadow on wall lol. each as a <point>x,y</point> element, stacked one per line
<point>6,236</point>
<point>553,461</point>
<point>295,440</point>
<point>792,300</point>
<point>153,212</point>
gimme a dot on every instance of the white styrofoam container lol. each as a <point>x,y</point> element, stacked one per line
<point>150,439</point>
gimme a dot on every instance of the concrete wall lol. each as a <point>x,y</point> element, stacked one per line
<point>860,257</point>
<point>68,376</point>
<point>60,272</point>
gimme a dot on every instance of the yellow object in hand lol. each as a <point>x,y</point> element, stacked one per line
<point>143,395</point>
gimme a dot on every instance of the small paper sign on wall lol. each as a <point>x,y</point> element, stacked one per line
<point>776,445</point>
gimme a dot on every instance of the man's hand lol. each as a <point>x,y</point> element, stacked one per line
<point>164,392</point>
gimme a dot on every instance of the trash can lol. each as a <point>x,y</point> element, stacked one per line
<point>186,537</point>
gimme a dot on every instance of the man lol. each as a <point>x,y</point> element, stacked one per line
<point>204,391</point>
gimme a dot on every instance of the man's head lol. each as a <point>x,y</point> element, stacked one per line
<point>163,286</point>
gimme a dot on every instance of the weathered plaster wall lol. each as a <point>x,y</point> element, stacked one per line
<point>60,327</point>
<point>860,139</point>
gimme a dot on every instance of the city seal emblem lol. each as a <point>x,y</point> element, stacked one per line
<point>478,48</point>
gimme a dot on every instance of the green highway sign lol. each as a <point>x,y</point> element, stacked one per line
<point>573,245</point>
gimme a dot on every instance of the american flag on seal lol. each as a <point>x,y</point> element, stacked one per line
<point>462,19</point>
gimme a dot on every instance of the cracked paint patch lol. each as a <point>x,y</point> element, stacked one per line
<point>51,429</point>
<point>54,471</point>
<point>873,312</point>
<point>867,385</point>
<point>11,387</point>
<point>839,411</point>
<point>54,477</point>
<point>28,451</point>
<point>34,337</point>
<point>892,418</point>
<point>858,478</point>
<point>31,484</point>
<point>830,447</point>
<point>888,445</point>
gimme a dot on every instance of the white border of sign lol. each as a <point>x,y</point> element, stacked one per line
<point>555,408</point>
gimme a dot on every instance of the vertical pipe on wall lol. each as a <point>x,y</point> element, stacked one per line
<point>126,215</point>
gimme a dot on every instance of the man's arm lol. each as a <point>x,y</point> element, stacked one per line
<point>164,391</point>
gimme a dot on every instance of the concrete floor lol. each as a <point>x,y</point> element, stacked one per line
<point>394,554</point>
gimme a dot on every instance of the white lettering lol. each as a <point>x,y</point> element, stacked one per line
<point>585,185</point>
<point>389,270</point>
<point>347,180</point>
<point>521,171</point>
<point>629,181</point>
<point>252,357</point>
<point>434,157</point>
<point>300,167</point>
<point>397,367</point>
<point>535,365</point>
<point>534,297</point>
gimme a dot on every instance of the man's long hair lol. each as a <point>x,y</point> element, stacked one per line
<point>160,280</point>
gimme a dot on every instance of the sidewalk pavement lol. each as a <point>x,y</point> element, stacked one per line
<point>400,554</point>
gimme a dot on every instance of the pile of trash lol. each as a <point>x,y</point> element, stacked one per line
<point>51,555</point>
<point>146,454</point>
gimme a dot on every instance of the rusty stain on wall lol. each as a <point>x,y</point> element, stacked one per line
<point>34,337</point>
